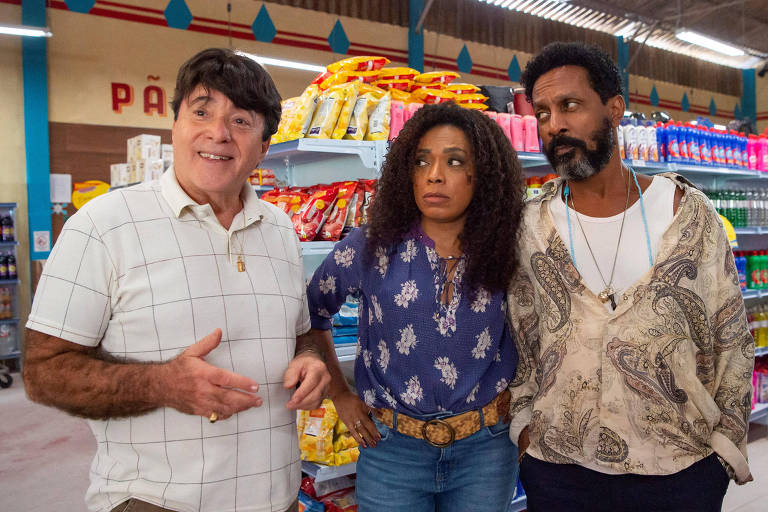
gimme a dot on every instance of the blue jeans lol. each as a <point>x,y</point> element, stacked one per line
<point>407,474</point>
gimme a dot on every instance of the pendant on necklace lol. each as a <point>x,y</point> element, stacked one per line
<point>241,265</point>
<point>606,294</point>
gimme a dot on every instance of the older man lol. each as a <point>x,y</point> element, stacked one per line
<point>634,380</point>
<point>173,316</point>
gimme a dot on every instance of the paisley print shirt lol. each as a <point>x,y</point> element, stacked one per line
<point>650,388</point>
<point>416,355</point>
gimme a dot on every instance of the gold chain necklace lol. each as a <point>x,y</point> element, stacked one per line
<point>608,293</point>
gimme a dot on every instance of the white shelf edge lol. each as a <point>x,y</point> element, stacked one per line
<point>759,413</point>
<point>761,351</point>
<point>322,473</point>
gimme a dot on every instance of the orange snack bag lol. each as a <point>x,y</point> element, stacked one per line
<point>433,96</point>
<point>462,88</point>
<point>397,74</point>
<point>365,63</point>
<point>444,77</point>
<point>310,218</point>
<point>336,219</point>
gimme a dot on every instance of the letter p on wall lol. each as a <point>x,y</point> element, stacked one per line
<point>122,96</point>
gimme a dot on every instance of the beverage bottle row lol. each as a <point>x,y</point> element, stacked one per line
<point>6,229</point>
<point>743,208</point>
<point>6,303</point>
<point>753,266</point>
<point>8,266</point>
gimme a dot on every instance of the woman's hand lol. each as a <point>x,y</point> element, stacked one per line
<point>356,416</point>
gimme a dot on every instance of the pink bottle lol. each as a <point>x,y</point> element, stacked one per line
<point>530,134</point>
<point>396,118</point>
<point>752,151</point>
<point>492,115</point>
<point>504,120</point>
<point>410,109</point>
<point>516,127</point>
<point>762,161</point>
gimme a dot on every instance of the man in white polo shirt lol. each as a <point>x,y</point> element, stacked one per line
<point>173,316</point>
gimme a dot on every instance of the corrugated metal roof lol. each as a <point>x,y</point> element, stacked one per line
<point>655,22</point>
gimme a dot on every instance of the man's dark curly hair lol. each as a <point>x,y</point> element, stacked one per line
<point>603,74</point>
<point>239,78</point>
<point>490,235</point>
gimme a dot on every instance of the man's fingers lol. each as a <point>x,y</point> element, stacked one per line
<point>292,375</point>
<point>227,379</point>
<point>205,344</point>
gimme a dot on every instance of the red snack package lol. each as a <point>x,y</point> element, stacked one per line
<point>307,485</point>
<point>341,501</point>
<point>310,218</point>
<point>337,218</point>
<point>364,201</point>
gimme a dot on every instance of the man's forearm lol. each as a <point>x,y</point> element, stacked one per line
<point>324,341</point>
<point>80,383</point>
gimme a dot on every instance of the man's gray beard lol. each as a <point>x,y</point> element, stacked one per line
<point>578,170</point>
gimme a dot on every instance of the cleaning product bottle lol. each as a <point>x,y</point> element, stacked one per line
<point>752,151</point>
<point>682,140</point>
<point>673,143</point>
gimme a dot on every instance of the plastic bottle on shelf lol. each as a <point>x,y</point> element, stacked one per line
<point>652,142</point>
<point>752,144</point>
<point>673,143</point>
<point>3,267</point>
<point>763,153</point>
<point>736,141</point>
<point>704,149</point>
<point>741,269</point>
<point>531,134</point>
<point>744,152</point>
<point>682,141</point>
<point>517,130</point>
<point>661,141</point>
<point>620,139</point>
<point>6,229</point>
<point>692,139</point>
<point>10,263</point>
<point>728,144</point>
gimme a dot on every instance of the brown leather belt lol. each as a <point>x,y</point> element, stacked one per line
<point>444,431</point>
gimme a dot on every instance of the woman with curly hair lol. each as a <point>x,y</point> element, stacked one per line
<point>435,355</point>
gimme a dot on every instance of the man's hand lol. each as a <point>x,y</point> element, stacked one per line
<point>307,370</point>
<point>194,386</point>
<point>355,415</point>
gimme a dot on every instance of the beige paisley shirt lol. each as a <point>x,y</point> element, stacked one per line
<point>650,388</point>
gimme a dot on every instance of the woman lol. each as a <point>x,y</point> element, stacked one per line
<point>435,355</point>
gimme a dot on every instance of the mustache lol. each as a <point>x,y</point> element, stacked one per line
<point>565,140</point>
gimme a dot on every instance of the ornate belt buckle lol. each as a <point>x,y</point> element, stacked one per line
<point>441,423</point>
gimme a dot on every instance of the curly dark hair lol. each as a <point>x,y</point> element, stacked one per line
<point>603,74</point>
<point>239,78</point>
<point>490,235</point>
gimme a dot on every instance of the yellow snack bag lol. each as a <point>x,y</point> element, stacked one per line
<point>346,457</point>
<point>462,88</point>
<point>364,63</point>
<point>298,120</point>
<point>288,107</point>
<point>345,115</point>
<point>474,106</point>
<point>344,442</point>
<point>341,428</point>
<point>397,74</point>
<point>433,96</point>
<point>316,439</point>
<point>471,98</point>
<point>327,113</point>
<point>403,85</point>
<point>444,77</point>
<point>399,95</point>
<point>371,88</point>
<point>378,121</point>
<point>343,77</point>
<point>358,123</point>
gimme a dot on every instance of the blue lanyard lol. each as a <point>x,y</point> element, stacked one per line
<point>567,192</point>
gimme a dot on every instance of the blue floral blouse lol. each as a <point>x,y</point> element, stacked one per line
<point>419,356</point>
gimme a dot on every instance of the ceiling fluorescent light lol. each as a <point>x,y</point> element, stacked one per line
<point>708,43</point>
<point>268,61</point>
<point>23,30</point>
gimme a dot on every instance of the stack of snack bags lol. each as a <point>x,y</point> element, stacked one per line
<point>323,437</point>
<point>322,212</point>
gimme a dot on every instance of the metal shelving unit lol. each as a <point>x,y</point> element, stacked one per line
<point>9,327</point>
<point>322,473</point>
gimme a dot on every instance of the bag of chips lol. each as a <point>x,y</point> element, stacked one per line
<point>471,98</point>
<point>474,106</point>
<point>327,112</point>
<point>344,441</point>
<point>310,218</point>
<point>365,63</point>
<point>346,456</point>
<point>297,121</point>
<point>316,436</point>
<point>378,121</point>
<point>437,85</point>
<point>401,85</point>
<point>433,96</point>
<point>444,77</point>
<point>398,74</point>
<point>403,96</point>
<point>364,192</point>
<point>335,222</point>
<point>346,111</point>
<point>358,123</point>
<point>344,77</point>
<point>341,501</point>
<point>462,88</point>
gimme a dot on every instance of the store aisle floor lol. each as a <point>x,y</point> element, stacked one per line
<point>45,455</point>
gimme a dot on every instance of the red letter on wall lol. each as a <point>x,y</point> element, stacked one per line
<point>154,100</point>
<point>122,96</point>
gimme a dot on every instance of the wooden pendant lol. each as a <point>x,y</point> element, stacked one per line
<point>240,264</point>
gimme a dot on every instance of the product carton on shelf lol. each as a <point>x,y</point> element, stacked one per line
<point>144,147</point>
<point>153,170</point>
<point>138,169</point>
<point>166,153</point>
<point>119,174</point>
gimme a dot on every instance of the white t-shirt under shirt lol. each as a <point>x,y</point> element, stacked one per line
<point>603,233</point>
<point>144,273</point>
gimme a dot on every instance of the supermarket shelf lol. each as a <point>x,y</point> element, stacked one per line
<point>321,473</point>
<point>262,188</point>
<point>532,159</point>
<point>759,413</point>
<point>518,504</point>
<point>8,281</point>
<point>12,355</point>
<point>11,321</point>
<point>754,230</point>
<point>9,244</point>
<point>754,294</point>
<point>301,151</point>
<point>761,351</point>
<point>308,248</point>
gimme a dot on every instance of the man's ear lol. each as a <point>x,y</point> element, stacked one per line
<point>616,108</point>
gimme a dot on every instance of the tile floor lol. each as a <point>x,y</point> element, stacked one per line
<point>45,456</point>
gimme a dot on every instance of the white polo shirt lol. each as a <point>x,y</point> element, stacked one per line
<point>145,272</point>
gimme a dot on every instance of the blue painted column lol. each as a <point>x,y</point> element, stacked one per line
<point>415,39</point>
<point>35,73</point>
<point>622,48</point>
<point>748,95</point>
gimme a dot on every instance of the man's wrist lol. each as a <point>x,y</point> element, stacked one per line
<point>310,349</point>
